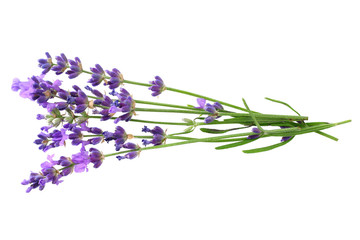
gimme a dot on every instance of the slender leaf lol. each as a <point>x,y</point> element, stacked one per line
<point>236,144</point>
<point>218,131</point>
<point>327,135</point>
<point>284,103</point>
<point>267,148</point>
<point>252,116</point>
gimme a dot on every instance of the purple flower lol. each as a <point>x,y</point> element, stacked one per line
<point>97,93</point>
<point>218,106</point>
<point>211,108</point>
<point>157,87</point>
<point>126,104</point>
<point>40,117</point>
<point>201,103</point>
<point>96,157</point>
<point>119,136</point>
<point>130,155</point>
<point>61,64</point>
<point>254,130</point>
<point>159,136</point>
<point>45,63</point>
<point>81,160</point>
<point>26,88</point>
<point>59,137</point>
<point>116,78</point>
<point>37,89</point>
<point>75,68</point>
<point>48,174</point>
<point>98,75</point>
<point>51,140</point>
<point>81,102</point>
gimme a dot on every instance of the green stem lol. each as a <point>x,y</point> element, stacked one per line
<point>204,97</point>
<point>183,142</point>
<point>163,104</point>
<point>180,91</point>
<point>270,116</point>
<point>280,133</point>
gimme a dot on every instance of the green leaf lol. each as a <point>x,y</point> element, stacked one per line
<point>284,103</point>
<point>188,130</point>
<point>252,116</point>
<point>268,148</point>
<point>218,131</point>
<point>327,135</point>
<point>236,144</point>
<point>188,120</point>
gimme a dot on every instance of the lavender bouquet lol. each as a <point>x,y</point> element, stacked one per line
<point>72,114</point>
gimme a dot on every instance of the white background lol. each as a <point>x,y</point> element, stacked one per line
<point>304,52</point>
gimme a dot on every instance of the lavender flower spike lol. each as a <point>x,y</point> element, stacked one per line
<point>116,78</point>
<point>26,88</point>
<point>159,136</point>
<point>157,87</point>
<point>46,63</point>
<point>75,68</point>
<point>61,65</point>
<point>98,75</point>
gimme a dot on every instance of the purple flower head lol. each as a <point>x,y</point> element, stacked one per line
<point>67,165</point>
<point>126,104</point>
<point>120,137</point>
<point>36,180</point>
<point>210,108</point>
<point>155,130</point>
<point>97,93</point>
<point>218,106</point>
<point>159,136</point>
<point>50,162</point>
<point>96,157</point>
<point>130,145</point>
<point>45,63</point>
<point>40,117</point>
<point>49,173</point>
<point>130,155</point>
<point>98,75</point>
<point>59,137</point>
<point>61,64</point>
<point>76,136</point>
<point>51,140</point>
<point>209,119</point>
<point>26,88</point>
<point>44,90</point>
<point>201,103</point>
<point>254,130</point>
<point>81,160</point>
<point>116,78</point>
<point>157,86</point>
<point>42,141</point>
<point>75,68</point>
<point>81,101</point>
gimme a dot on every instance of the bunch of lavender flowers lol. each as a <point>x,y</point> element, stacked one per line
<point>72,116</point>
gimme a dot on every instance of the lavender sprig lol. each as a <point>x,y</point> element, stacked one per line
<point>69,114</point>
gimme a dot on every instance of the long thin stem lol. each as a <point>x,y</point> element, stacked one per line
<point>180,91</point>
<point>163,104</point>
<point>272,116</point>
<point>279,132</point>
